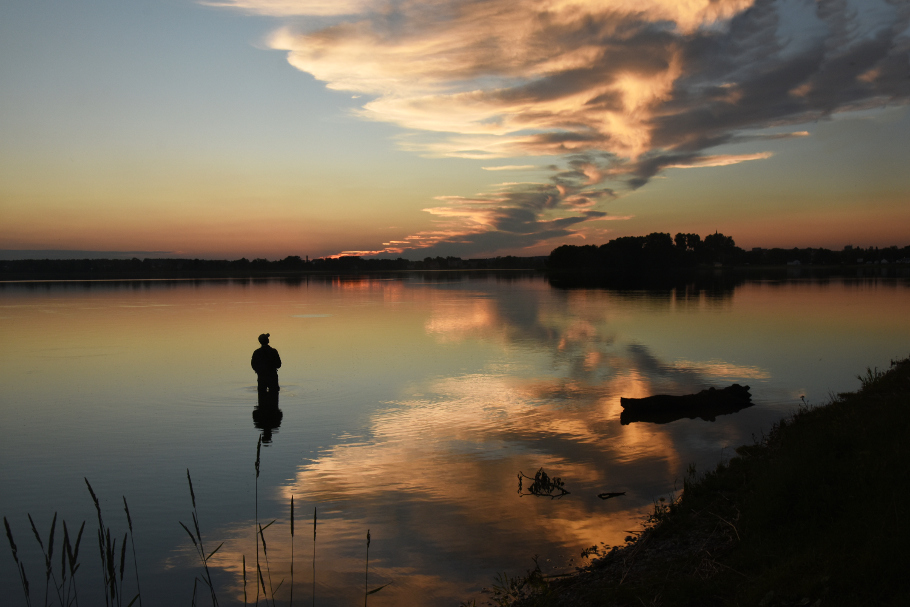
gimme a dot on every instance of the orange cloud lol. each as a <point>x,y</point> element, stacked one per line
<point>542,62</point>
<point>721,160</point>
<point>618,90</point>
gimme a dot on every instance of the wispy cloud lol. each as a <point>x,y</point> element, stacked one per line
<point>720,160</point>
<point>636,86</point>
<point>511,167</point>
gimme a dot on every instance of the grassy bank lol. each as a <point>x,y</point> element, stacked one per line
<point>814,513</point>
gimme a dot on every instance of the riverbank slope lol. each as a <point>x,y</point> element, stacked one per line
<point>815,513</point>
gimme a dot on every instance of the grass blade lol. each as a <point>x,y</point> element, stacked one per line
<point>291,598</point>
<point>192,494</point>
<point>214,551</point>
<point>262,537</point>
<point>129,522</point>
<point>258,449</point>
<point>366,575</point>
<point>189,533</point>
<point>35,531</point>
<point>24,583</point>
<point>12,543</point>
<point>22,578</point>
<point>75,556</point>
<point>196,525</point>
<point>50,541</point>
<point>123,556</point>
<point>64,551</point>
<point>375,590</point>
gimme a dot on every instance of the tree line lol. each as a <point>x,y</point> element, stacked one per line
<point>656,252</point>
<point>660,251</point>
<point>220,268</point>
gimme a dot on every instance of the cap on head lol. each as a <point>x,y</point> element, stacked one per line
<point>264,338</point>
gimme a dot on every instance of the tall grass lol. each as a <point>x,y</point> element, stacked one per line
<point>315,513</point>
<point>255,532</point>
<point>366,580</point>
<point>48,555</point>
<point>70,560</point>
<point>60,582</point>
<point>291,600</point>
<point>129,522</point>
<point>23,579</point>
<point>200,548</point>
<point>268,569</point>
<point>107,549</point>
<point>366,575</point>
<point>65,590</point>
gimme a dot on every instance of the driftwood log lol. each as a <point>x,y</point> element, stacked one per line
<point>707,404</point>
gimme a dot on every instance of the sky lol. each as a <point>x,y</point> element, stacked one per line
<point>473,128</point>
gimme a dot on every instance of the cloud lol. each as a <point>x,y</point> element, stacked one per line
<point>720,160</point>
<point>292,8</point>
<point>637,86</point>
<point>514,215</point>
<point>511,167</point>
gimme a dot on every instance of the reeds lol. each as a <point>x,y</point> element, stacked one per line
<point>107,548</point>
<point>260,540</point>
<point>48,555</point>
<point>268,569</point>
<point>61,588</point>
<point>255,533</point>
<point>23,579</point>
<point>200,549</point>
<point>366,580</point>
<point>291,599</point>
<point>315,513</point>
<point>69,563</point>
<point>129,522</point>
<point>366,575</point>
<point>64,587</point>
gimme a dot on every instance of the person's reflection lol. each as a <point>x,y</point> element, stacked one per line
<point>266,362</point>
<point>266,415</point>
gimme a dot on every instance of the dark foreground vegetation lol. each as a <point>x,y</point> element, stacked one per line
<point>815,513</point>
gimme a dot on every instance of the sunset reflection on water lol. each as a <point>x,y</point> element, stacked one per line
<point>410,406</point>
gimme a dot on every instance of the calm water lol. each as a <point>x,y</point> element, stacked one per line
<point>409,407</point>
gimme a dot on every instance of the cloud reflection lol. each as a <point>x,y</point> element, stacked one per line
<point>433,471</point>
<point>442,462</point>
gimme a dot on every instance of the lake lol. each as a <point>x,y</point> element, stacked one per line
<point>409,405</point>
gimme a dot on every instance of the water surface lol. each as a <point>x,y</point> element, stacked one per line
<point>409,406</point>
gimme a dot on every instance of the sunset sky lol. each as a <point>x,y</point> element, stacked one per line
<point>414,128</point>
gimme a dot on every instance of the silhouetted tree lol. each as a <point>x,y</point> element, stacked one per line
<point>719,248</point>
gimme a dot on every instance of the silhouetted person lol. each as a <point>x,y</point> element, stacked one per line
<point>265,363</point>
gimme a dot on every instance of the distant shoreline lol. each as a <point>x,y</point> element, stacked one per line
<point>576,277</point>
<point>655,258</point>
<point>287,276</point>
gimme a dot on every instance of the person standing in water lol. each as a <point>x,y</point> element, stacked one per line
<point>265,363</point>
